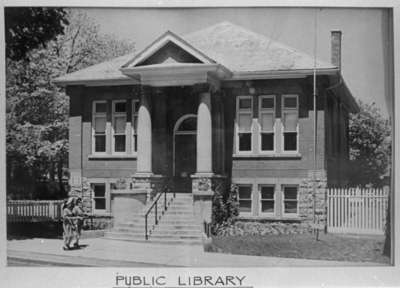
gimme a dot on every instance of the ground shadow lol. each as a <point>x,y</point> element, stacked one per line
<point>20,231</point>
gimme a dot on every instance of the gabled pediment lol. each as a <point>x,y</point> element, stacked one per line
<point>169,48</point>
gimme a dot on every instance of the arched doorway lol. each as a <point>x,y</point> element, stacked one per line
<point>184,152</point>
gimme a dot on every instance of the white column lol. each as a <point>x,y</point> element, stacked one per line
<point>144,147</point>
<point>204,134</point>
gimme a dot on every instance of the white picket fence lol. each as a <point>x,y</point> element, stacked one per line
<point>357,210</point>
<point>33,210</point>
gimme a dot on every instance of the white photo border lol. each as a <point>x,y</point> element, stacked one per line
<point>256,276</point>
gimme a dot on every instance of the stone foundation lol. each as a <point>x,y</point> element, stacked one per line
<point>150,184</point>
<point>242,228</point>
<point>98,222</point>
<point>307,200</point>
<point>203,189</point>
<point>84,191</point>
<point>303,223</point>
<point>126,203</point>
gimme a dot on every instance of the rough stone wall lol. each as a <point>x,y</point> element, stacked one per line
<point>152,185</point>
<point>243,228</point>
<point>305,221</point>
<point>84,191</point>
<point>98,223</point>
<point>204,188</point>
<point>306,200</point>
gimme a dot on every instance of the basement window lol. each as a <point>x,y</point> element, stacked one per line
<point>99,197</point>
<point>244,197</point>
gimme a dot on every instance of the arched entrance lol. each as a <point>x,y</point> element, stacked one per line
<point>184,152</point>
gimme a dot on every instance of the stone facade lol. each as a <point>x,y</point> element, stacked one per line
<point>203,189</point>
<point>151,184</point>
<point>305,222</point>
<point>310,202</point>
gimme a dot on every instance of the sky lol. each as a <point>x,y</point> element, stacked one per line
<point>364,41</point>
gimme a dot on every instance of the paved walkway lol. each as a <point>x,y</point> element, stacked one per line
<point>110,253</point>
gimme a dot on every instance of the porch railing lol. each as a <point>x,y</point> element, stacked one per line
<point>207,228</point>
<point>25,211</point>
<point>154,209</point>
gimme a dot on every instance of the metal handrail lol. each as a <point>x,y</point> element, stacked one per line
<point>155,204</point>
<point>207,228</point>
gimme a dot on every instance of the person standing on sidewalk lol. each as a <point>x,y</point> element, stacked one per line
<point>68,222</point>
<point>79,215</point>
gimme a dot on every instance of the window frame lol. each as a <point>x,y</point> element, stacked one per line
<point>237,129</point>
<point>283,110</point>
<point>241,213</point>
<point>95,115</point>
<point>113,134</point>
<point>93,198</point>
<point>133,128</point>
<point>260,131</point>
<point>270,214</point>
<point>283,200</point>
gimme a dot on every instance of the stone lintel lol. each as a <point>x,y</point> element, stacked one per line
<point>128,191</point>
<point>143,175</point>
<point>208,193</point>
<point>203,175</point>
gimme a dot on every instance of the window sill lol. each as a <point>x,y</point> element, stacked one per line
<point>99,214</point>
<point>268,156</point>
<point>266,218</point>
<point>111,156</point>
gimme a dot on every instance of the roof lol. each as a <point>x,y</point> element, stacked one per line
<point>242,50</point>
<point>108,70</point>
<point>234,47</point>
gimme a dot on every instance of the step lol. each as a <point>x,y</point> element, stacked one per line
<point>156,236</point>
<point>176,222</point>
<point>152,236</point>
<point>166,241</point>
<point>176,232</point>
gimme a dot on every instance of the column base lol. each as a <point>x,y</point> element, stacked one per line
<point>149,183</point>
<point>127,204</point>
<point>204,187</point>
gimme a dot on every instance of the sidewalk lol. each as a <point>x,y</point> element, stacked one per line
<point>112,253</point>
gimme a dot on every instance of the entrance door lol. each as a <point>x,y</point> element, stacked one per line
<point>184,152</point>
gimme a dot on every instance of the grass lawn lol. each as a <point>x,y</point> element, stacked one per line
<point>329,247</point>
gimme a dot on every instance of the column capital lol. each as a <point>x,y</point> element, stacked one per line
<point>157,91</point>
<point>146,90</point>
<point>201,88</point>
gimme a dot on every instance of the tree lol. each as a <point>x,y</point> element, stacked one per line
<point>370,146</point>
<point>37,110</point>
<point>28,28</point>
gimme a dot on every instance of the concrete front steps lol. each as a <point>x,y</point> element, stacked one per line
<point>176,226</point>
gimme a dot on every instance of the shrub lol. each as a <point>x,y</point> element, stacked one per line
<point>224,208</point>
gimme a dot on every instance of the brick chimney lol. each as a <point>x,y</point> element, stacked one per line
<point>336,48</point>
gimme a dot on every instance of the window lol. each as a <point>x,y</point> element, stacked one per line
<point>119,126</point>
<point>244,197</point>
<point>135,113</point>
<point>99,197</point>
<point>266,120</point>
<point>290,200</point>
<point>99,126</point>
<point>290,123</point>
<point>267,199</point>
<point>274,200</point>
<point>244,118</point>
<point>112,132</point>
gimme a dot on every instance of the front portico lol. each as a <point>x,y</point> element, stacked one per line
<point>178,125</point>
<point>178,85</point>
<point>178,144</point>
